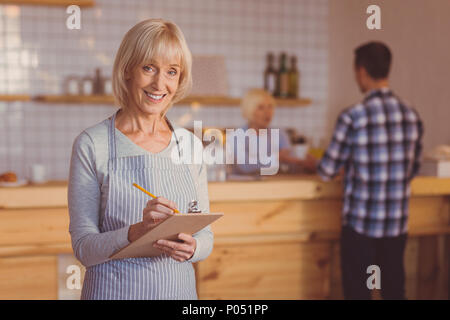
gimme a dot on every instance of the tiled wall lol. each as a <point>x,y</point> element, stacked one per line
<point>37,52</point>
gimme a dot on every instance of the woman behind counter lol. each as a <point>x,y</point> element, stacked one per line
<point>258,107</point>
<point>152,70</point>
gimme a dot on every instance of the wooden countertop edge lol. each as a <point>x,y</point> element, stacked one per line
<point>219,240</point>
<point>54,194</point>
<point>32,250</point>
<point>310,236</point>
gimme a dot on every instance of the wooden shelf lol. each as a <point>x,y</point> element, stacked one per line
<point>191,100</point>
<point>300,102</point>
<point>195,101</point>
<point>232,102</point>
<point>210,100</point>
<point>14,97</point>
<point>65,3</point>
<point>97,99</point>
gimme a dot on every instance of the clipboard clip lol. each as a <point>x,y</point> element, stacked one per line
<point>193,207</point>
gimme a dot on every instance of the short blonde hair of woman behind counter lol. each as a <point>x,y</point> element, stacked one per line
<point>251,101</point>
<point>146,41</point>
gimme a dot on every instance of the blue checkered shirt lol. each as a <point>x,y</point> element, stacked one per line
<point>378,143</point>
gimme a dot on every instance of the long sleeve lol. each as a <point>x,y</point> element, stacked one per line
<point>418,149</point>
<point>285,142</point>
<point>338,151</point>
<point>90,246</point>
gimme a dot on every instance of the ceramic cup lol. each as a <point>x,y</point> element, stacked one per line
<point>37,173</point>
<point>300,150</point>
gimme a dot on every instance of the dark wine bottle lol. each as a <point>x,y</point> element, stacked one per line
<point>283,78</point>
<point>270,75</point>
<point>294,79</point>
<point>98,82</point>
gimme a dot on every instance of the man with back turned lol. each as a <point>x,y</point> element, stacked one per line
<point>378,144</point>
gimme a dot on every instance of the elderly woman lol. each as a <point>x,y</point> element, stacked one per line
<point>152,70</point>
<point>258,108</point>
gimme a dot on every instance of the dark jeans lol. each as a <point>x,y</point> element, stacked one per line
<point>359,251</point>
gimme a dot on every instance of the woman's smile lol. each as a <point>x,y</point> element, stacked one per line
<point>155,98</point>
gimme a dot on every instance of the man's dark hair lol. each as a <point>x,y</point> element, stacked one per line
<point>375,57</point>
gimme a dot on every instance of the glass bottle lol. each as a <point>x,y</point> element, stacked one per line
<point>98,82</point>
<point>283,78</point>
<point>294,79</point>
<point>270,75</point>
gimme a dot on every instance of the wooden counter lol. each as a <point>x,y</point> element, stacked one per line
<point>278,240</point>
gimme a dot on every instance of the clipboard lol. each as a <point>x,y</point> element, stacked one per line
<point>168,229</point>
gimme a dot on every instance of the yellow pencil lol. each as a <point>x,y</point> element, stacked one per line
<point>151,195</point>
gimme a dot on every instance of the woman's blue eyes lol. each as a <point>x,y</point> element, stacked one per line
<point>149,69</point>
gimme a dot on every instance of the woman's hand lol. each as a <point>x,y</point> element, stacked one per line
<point>156,211</point>
<point>179,251</point>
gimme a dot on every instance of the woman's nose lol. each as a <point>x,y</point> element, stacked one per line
<point>157,81</point>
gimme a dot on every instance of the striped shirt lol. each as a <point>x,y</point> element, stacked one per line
<point>379,143</point>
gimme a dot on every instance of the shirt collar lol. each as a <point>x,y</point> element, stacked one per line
<point>379,91</point>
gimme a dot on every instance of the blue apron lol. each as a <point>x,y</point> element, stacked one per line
<point>158,277</point>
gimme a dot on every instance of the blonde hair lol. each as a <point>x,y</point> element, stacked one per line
<point>147,40</point>
<point>251,101</point>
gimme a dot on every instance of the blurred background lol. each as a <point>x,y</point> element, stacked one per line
<point>49,75</point>
<point>38,53</point>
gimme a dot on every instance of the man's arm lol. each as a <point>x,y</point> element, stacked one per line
<point>418,149</point>
<point>339,149</point>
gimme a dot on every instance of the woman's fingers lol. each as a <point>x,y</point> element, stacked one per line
<point>186,238</point>
<point>161,208</point>
<point>180,258</point>
<point>177,255</point>
<point>157,209</point>
<point>178,251</point>
<point>174,246</point>
<point>162,201</point>
<point>155,215</point>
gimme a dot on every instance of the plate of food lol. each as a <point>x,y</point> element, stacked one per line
<point>9,179</point>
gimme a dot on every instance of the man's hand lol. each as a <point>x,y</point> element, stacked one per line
<point>310,164</point>
<point>340,175</point>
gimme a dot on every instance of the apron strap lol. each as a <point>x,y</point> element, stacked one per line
<point>176,138</point>
<point>112,139</point>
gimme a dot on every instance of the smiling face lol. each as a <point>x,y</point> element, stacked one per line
<point>262,116</point>
<point>153,85</point>
<point>152,68</point>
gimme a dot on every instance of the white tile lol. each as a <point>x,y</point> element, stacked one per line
<point>241,31</point>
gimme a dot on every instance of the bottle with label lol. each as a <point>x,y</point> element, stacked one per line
<point>283,78</point>
<point>270,75</point>
<point>294,79</point>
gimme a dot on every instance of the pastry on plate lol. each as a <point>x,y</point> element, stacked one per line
<point>8,177</point>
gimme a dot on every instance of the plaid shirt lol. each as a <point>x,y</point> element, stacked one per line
<point>378,142</point>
